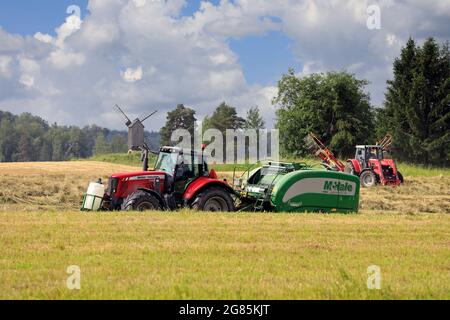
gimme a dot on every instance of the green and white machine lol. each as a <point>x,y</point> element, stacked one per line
<point>297,187</point>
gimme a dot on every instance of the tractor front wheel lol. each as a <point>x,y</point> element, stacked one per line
<point>141,201</point>
<point>214,200</point>
<point>368,179</point>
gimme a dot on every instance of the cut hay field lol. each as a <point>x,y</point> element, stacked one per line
<point>59,186</point>
<point>186,255</point>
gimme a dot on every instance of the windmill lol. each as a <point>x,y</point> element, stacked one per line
<point>136,132</point>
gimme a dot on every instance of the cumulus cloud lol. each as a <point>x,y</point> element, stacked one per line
<point>144,55</point>
<point>46,38</point>
<point>27,80</point>
<point>132,75</point>
<point>5,62</point>
<point>62,59</point>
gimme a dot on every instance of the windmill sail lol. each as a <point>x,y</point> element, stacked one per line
<point>128,119</point>
<point>149,116</point>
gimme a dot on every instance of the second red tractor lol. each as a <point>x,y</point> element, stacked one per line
<point>370,163</point>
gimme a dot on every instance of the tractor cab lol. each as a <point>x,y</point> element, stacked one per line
<point>366,153</point>
<point>180,164</point>
<point>181,167</point>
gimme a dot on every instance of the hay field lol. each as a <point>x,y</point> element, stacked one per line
<point>60,185</point>
<point>50,185</point>
<point>235,256</point>
<point>187,255</point>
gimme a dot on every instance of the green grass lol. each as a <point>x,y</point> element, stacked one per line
<point>219,256</point>
<point>412,170</point>
<point>134,159</point>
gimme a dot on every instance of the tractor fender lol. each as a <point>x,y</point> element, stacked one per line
<point>356,165</point>
<point>157,196</point>
<point>200,184</point>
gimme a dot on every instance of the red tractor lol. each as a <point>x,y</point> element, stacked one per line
<point>370,162</point>
<point>372,167</point>
<point>178,180</point>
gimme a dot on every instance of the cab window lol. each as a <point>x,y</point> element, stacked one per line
<point>166,162</point>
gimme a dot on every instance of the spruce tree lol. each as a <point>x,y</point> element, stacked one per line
<point>417,106</point>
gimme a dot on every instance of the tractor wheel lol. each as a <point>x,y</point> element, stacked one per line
<point>368,179</point>
<point>214,200</point>
<point>400,176</point>
<point>141,201</point>
<point>349,168</point>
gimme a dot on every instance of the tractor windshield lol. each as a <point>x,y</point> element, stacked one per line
<point>167,162</point>
<point>375,153</point>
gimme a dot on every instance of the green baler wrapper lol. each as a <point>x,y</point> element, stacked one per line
<point>316,191</point>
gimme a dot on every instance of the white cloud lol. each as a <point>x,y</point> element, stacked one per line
<point>29,65</point>
<point>219,58</point>
<point>391,39</point>
<point>5,62</point>
<point>132,75</point>
<point>27,80</point>
<point>98,34</point>
<point>46,38</point>
<point>62,59</point>
<point>140,3</point>
<point>72,25</point>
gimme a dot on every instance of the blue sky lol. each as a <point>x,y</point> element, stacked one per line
<point>193,5</point>
<point>264,58</point>
<point>28,17</point>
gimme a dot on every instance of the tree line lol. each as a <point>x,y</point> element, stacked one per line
<point>26,138</point>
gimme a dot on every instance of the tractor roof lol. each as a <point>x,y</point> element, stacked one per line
<point>367,146</point>
<point>179,151</point>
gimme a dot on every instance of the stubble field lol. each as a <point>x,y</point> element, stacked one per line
<point>187,255</point>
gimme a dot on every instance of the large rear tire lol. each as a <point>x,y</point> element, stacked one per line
<point>214,200</point>
<point>368,179</point>
<point>141,201</point>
